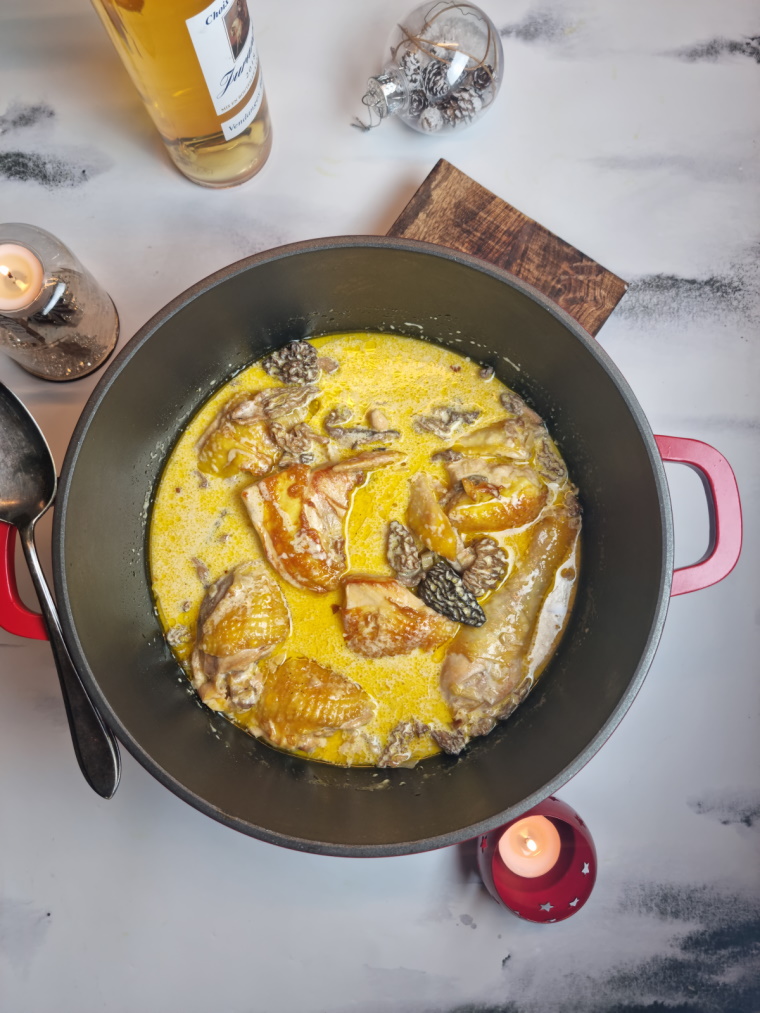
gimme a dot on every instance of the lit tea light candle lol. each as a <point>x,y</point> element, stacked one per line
<point>21,277</point>
<point>530,847</point>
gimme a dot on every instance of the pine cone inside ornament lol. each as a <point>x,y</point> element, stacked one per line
<point>411,68</point>
<point>481,78</point>
<point>417,102</point>
<point>431,120</point>
<point>434,78</point>
<point>461,107</point>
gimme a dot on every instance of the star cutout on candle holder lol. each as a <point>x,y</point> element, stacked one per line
<point>545,907</point>
<point>574,903</point>
<point>585,870</point>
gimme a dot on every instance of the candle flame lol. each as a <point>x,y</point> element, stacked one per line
<point>531,845</point>
<point>18,282</point>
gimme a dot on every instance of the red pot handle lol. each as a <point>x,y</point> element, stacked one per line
<point>724,502</point>
<point>725,510</point>
<point>15,617</point>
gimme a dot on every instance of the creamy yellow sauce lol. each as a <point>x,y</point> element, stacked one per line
<point>199,521</point>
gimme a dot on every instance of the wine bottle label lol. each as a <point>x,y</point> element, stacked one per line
<point>237,124</point>
<point>223,41</point>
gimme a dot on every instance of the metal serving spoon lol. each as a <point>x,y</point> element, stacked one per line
<point>27,488</point>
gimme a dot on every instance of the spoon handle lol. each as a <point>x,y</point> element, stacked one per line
<point>94,744</point>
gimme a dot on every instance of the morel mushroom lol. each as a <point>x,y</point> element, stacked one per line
<point>296,362</point>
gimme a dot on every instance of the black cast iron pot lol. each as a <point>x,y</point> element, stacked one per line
<point>162,377</point>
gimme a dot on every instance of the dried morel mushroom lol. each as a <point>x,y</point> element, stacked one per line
<point>398,751</point>
<point>487,569</point>
<point>444,421</point>
<point>447,456</point>
<point>297,443</point>
<point>273,403</point>
<point>295,362</point>
<point>403,555</point>
<point>445,591</point>
<point>355,436</point>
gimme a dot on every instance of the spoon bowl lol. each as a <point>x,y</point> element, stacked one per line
<point>27,473</point>
<point>27,488</point>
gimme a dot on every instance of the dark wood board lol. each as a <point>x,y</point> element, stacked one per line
<point>451,209</point>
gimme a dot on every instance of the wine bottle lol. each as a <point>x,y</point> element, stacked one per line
<point>196,67</point>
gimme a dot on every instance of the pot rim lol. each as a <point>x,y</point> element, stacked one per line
<point>100,392</point>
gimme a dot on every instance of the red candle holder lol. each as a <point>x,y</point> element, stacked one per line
<point>558,893</point>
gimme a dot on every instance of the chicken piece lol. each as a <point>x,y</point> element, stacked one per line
<point>234,446</point>
<point>382,618</point>
<point>483,676</point>
<point>494,497</point>
<point>511,439</point>
<point>302,704</point>
<point>239,439</point>
<point>522,437</point>
<point>242,618</point>
<point>299,515</point>
<point>426,518</point>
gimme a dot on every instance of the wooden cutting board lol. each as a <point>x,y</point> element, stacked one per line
<point>451,209</point>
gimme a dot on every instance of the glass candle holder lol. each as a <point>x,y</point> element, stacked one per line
<point>555,838</point>
<point>55,319</point>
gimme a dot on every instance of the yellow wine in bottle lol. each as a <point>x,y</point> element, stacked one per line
<point>197,69</point>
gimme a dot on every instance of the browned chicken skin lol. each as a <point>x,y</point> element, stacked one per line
<point>242,618</point>
<point>493,496</point>
<point>299,514</point>
<point>240,438</point>
<point>382,618</point>
<point>302,704</point>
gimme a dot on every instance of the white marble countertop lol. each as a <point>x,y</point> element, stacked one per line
<point>631,130</point>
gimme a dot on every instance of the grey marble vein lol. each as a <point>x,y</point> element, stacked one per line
<point>729,808</point>
<point>28,155</point>
<point>542,24</point>
<point>49,171</point>
<point>667,297</point>
<point>716,49</point>
<point>22,115</point>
